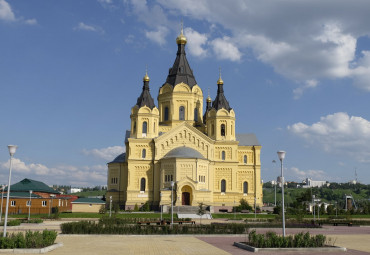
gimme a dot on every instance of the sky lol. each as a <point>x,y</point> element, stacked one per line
<point>296,73</point>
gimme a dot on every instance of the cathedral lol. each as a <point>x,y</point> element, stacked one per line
<point>173,146</point>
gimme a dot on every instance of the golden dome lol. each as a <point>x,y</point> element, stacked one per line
<point>220,81</point>
<point>146,77</point>
<point>181,39</point>
<point>209,100</point>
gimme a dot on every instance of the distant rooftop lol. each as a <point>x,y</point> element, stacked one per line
<point>86,200</point>
<point>27,184</point>
<point>247,140</point>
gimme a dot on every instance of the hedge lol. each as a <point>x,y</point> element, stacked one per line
<point>28,240</point>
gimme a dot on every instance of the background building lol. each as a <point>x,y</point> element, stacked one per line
<point>183,142</point>
<point>43,198</point>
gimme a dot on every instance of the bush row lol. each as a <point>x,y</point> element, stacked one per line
<point>28,240</point>
<point>272,240</point>
<point>89,227</point>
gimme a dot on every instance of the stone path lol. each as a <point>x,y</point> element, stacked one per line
<point>355,239</point>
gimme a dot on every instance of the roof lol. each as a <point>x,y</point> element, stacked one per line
<point>86,200</point>
<point>27,184</point>
<point>220,100</point>
<point>119,159</point>
<point>145,99</point>
<point>181,71</point>
<point>21,195</point>
<point>247,140</point>
<point>184,152</point>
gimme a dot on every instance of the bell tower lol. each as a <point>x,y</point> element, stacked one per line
<point>220,120</point>
<point>180,98</point>
<point>144,115</point>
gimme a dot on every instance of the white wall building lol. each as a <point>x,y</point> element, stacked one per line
<point>310,183</point>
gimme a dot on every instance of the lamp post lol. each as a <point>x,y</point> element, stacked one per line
<point>281,155</point>
<point>29,207</point>
<point>110,206</point>
<point>12,150</point>
<point>2,198</point>
<point>313,209</point>
<point>234,210</point>
<point>172,184</point>
<point>274,161</point>
<point>255,207</point>
<point>160,194</point>
<point>336,209</point>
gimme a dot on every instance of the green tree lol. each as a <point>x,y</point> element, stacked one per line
<point>201,211</point>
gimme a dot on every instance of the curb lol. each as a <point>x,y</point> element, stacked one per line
<point>24,251</point>
<point>320,249</point>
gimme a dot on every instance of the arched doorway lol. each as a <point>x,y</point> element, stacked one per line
<point>186,195</point>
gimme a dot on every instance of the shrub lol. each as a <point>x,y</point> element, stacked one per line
<point>122,226</point>
<point>136,208</point>
<point>28,240</point>
<point>272,240</point>
<point>102,209</point>
<point>12,223</point>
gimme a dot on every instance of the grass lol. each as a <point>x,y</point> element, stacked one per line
<point>240,216</point>
<point>98,215</point>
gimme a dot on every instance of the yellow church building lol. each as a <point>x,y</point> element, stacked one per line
<point>174,142</point>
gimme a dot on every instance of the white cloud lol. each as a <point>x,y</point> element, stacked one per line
<point>224,48</point>
<point>62,174</point>
<point>317,175</point>
<point>298,92</point>
<point>84,27</point>
<point>158,35</point>
<point>6,12</point>
<point>108,153</point>
<point>338,133</point>
<point>302,40</point>
<point>196,42</point>
<point>31,21</point>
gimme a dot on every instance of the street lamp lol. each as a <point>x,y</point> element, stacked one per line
<point>281,155</point>
<point>12,150</point>
<point>2,198</point>
<point>29,207</point>
<point>172,184</point>
<point>274,161</point>
<point>313,209</point>
<point>110,206</point>
<point>255,207</point>
<point>336,209</point>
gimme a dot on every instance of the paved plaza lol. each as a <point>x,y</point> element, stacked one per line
<point>355,239</point>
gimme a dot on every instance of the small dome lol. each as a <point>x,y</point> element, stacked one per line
<point>184,152</point>
<point>209,99</point>
<point>181,39</point>
<point>220,81</point>
<point>146,77</point>
<point>119,159</point>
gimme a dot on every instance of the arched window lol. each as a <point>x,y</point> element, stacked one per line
<point>213,129</point>
<point>223,155</point>
<point>154,127</point>
<point>182,113</point>
<point>142,184</point>
<point>145,127</point>
<point>222,129</point>
<point>223,186</point>
<point>143,153</point>
<point>166,113</point>
<point>195,114</point>
<point>245,187</point>
<point>245,159</point>
<point>134,129</point>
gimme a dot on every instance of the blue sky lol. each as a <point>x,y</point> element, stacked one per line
<point>297,74</point>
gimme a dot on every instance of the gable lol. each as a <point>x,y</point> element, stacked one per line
<point>183,135</point>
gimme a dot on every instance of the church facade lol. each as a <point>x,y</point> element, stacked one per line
<point>179,144</point>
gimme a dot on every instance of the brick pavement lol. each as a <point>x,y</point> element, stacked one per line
<point>356,239</point>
